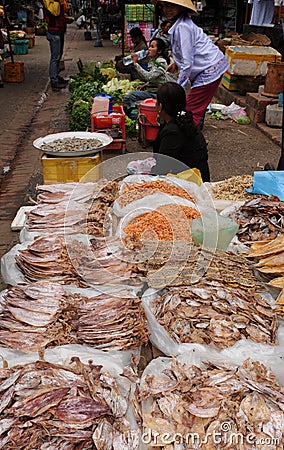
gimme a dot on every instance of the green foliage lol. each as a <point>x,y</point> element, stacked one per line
<point>86,91</point>
<point>80,116</point>
<point>130,127</point>
<point>243,120</point>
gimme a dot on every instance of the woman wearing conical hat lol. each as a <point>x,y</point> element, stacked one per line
<point>196,57</point>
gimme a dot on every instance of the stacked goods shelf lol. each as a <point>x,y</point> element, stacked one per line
<point>140,16</point>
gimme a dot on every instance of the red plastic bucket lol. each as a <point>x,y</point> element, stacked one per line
<point>148,125</point>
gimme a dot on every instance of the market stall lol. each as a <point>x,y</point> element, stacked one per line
<point>107,269</point>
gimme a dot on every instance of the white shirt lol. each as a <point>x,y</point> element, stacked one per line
<point>195,54</point>
<point>262,12</point>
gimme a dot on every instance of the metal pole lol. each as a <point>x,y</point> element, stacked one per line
<point>281,160</point>
<point>7,23</point>
<point>123,28</point>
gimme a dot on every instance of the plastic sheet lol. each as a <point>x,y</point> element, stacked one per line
<point>268,182</point>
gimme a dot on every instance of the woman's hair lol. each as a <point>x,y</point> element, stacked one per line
<point>161,47</point>
<point>137,32</point>
<point>172,96</point>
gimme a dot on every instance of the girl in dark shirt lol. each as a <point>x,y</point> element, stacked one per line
<point>179,137</point>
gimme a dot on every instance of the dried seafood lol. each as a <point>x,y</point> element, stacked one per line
<point>60,192</point>
<point>180,264</point>
<point>112,322</point>
<point>69,217</point>
<point>260,219</point>
<point>47,406</point>
<point>57,258</point>
<point>166,223</point>
<point>270,256</point>
<point>41,315</point>
<point>233,188</point>
<point>137,191</point>
<point>213,313</point>
<point>215,407</point>
<point>36,316</point>
<point>71,145</point>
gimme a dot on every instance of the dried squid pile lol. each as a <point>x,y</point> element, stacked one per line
<point>36,316</point>
<point>211,312</point>
<point>41,315</point>
<point>46,406</point>
<point>63,260</point>
<point>215,407</point>
<point>136,191</point>
<point>182,264</point>
<point>167,223</point>
<point>65,192</point>
<point>260,219</point>
<point>88,214</point>
<point>111,322</point>
<point>270,255</point>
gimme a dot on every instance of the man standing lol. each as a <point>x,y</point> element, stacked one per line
<point>55,16</point>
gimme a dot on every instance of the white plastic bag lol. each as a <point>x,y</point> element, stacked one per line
<point>241,350</point>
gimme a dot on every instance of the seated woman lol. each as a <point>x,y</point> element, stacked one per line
<point>163,33</point>
<point>154,76</point>
<point>179,137</point>
<point>139,43</point>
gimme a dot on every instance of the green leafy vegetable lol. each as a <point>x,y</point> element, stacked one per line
<point>80,116</point>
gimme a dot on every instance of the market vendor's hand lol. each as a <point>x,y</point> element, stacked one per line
<point>134,57</point>
<point>171,67</point>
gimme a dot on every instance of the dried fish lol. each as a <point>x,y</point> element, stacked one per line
<point>243,408</point>
<point>206,323</point>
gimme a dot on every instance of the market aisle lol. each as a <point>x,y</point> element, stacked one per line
<point>29,110</point>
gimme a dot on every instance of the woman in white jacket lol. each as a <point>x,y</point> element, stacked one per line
<point>197,58</point>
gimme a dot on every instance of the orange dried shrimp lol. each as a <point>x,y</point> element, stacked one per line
<point>160,186</point>
<point>166,223</point>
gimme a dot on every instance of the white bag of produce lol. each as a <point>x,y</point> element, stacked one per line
<point>242,349</point>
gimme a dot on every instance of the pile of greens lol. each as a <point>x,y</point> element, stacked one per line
<point>118,88</point>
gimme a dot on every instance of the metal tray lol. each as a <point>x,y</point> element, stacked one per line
<point>104,138</point>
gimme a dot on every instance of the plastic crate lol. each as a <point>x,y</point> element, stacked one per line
<point>64,170</point>
<point>21,46</point>
<point>102,123</point>
<point>115,119</point>
<point>14,72</point>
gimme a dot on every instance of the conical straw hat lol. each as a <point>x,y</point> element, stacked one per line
<point>186,3</point>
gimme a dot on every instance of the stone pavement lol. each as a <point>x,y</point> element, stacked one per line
<point>29,110</point>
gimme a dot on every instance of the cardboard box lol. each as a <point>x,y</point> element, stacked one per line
<point>64,170</point>
<point>14,72</point>
<point>250,60</point>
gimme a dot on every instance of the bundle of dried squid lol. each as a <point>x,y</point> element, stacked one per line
<point>46,406</point>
